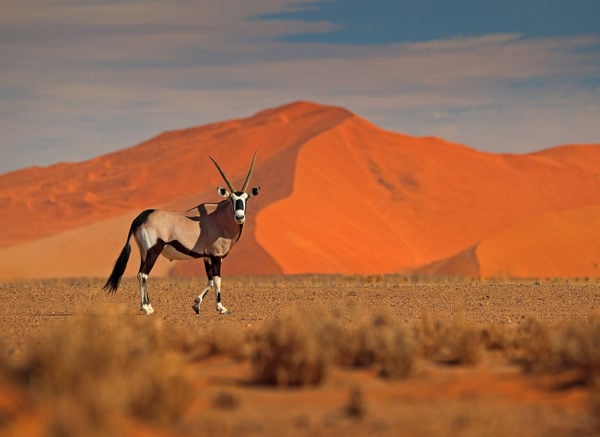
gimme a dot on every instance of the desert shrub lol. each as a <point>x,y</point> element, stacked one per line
<point>225,400</point>
<point>580,346</point>
<point>498,337</point>
<point>221,340</point>
<point>572,345</point>
<point>102,364</point>
<point>356,406</point>
<point>537,346</point>
<point>288,352</point>
<point>448,341</point>
<point>382,343</point>
<point>594,398</point>
<point>397,357</point>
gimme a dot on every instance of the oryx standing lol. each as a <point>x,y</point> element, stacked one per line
<point>207,231</point>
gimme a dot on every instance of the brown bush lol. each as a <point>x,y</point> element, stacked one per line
<point>288,352</point>
<point>383,343</point>
<point>498,337</point>
<point>221,340</point>
<point>226,400</point>
<point>448,341</point>
<point>397,356</point>
<point>103,363</point>
<point>580,346</point>
<point>594,399</point>
<point>572,345</point>
<point>356,407</point>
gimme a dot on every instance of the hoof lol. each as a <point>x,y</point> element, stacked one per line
<point>222,310</point>
<point>147,309</point>
<point>196,309</point>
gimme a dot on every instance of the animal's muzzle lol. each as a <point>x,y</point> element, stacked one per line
<point>240,214</point>
<point>240,217</point>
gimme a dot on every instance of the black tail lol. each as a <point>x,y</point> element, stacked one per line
<point>112,283</point>
<point>115,277</point>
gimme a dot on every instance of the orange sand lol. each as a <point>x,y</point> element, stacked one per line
<point>339,195</point>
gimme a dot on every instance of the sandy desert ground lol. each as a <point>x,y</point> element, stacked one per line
<point>377,355</point>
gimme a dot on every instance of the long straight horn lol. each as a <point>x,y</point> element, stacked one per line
<point>229,184</point>
<point>245,187</point>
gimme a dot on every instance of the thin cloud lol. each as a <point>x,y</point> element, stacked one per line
<point>83,79</point>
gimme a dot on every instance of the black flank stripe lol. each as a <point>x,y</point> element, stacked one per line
<point>181,248</point>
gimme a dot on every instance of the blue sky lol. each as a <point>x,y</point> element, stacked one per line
<point>385,22</point>
<point>82,78</point>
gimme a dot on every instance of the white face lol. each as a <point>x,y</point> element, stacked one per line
<point>238,201</point>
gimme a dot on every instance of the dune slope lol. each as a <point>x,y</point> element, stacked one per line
<point>369,201</point>
<point>339,195</point>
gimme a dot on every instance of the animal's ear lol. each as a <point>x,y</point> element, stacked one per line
<point>222,192</point>
<point>254,191</point>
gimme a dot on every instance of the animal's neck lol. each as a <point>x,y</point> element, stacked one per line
<point>232,228</point>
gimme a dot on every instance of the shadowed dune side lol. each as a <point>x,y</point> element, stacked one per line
<point>38,202</point>
<point>463,264</point>
<point>55,233</point>
<point>556,244</point>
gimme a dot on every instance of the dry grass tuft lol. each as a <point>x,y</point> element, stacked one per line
<point>383,343</point>
<point>104,364</point>
<point>226,400</point>
<point>221,340</point>
<point>448,341</point>
<point>398,354</point>
<point>288,352</point>
<point>297,351</point>
<point>498,337</point>
<point>356,407</point>
<point>594,399</point>
<point>572,345</point>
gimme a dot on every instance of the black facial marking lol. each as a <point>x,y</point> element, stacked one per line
<point>239,204</point>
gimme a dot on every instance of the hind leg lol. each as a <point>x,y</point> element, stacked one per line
<point>209,275</point>
<point>145,305</point>
<point>145,268</point>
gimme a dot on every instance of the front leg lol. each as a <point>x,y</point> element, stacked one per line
<point>220,308</point>
<point>216,271</point>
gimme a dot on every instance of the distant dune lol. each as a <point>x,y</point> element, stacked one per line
<point>339,195</point>
<point>556,244</point>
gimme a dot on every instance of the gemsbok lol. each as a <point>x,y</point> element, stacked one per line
<point>208,231</point>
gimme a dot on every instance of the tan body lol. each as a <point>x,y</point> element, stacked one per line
<point>206,230</point>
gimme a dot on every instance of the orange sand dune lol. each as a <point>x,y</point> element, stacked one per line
<point>66,211</point>
<point>339,195</point>
<point>165,168</point>
<point>370,201</point>
<point>556,244</point>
